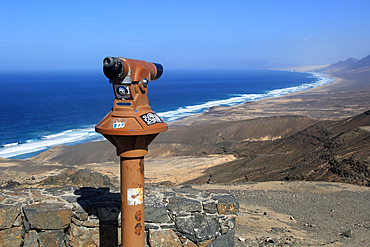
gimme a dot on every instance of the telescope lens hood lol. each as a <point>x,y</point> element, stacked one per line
<point>113,68</point>
<point>159,70</point>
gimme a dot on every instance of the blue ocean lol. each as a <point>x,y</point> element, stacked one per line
<point>42,109</point>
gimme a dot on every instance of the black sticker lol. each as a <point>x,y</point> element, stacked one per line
<point>151,118</point>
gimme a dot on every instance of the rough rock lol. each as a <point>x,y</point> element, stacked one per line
<point>8,215</point>
<point>227,204</point>
<point>11,236</point>
<point>83,236</point>
<point>46,216</point>
<point>198,227</point>
<point>52,238</point>
<point>30,239</point>
<point>164,238</point>
<point>348,233</point>
<point>183,206</point>
<point>83,177</point>
<point>186,242</point>
<point>155,210</point>
<point>210,207</point>
<point>224,240</point>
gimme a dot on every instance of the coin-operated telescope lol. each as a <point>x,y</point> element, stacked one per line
<point>131,126</point>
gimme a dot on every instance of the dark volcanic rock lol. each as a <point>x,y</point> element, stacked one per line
<point>183,206</point>
<point>224,240</point>
<point>47,216</point>
<point>155,210</point>
<point>198,227</point>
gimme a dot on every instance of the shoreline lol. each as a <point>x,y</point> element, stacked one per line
<point>245,98</point>
<point>330,104</point>
<point>177,122</point>
<point>311,103</point>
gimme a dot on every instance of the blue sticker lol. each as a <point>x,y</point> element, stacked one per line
<point>118,123</point>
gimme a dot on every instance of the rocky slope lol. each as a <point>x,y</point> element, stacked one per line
<point>326,151</point>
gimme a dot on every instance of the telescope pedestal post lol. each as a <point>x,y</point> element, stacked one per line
<point>132,150</point>
<point>132,202</point>
<point>131,126</point>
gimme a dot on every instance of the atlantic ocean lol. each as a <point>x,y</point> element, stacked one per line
<point>39,110</point>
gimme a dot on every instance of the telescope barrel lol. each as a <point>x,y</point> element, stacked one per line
<point>113,68</point>
<point>159,70</point>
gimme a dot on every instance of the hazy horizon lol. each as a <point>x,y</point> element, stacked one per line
<point>55,35</point>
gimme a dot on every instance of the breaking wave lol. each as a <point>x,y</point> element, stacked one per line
<point>73,136</point>
<point>242,98</point>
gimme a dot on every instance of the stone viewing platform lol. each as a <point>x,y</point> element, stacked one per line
<point>88,216</point>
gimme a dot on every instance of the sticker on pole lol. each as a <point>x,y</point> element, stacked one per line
<point>151,118</point>
<point>135,196</point>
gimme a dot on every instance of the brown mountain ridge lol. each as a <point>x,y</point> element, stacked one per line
<point>351,65</point>
<point>326,151</point>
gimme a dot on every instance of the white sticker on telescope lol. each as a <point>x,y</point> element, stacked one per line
<point>151,118</point>
<point>135,196</point>
<point>118,123</point>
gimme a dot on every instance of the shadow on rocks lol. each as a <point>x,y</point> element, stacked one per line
<point>100,208</point>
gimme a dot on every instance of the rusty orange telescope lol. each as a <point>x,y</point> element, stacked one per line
<point>131,126</point>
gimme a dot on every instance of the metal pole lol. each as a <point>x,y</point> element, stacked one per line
<point>132,202</point>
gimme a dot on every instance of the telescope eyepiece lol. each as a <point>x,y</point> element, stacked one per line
<point>108,62</point>
<point>113,68</point>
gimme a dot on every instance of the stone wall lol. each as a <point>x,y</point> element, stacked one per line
<point>86,216</point>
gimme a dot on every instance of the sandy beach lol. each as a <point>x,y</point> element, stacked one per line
<point>343,98</point>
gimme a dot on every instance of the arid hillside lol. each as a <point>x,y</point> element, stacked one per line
<point>326,151</point>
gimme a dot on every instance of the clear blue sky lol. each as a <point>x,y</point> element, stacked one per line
<point>78,34</point>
